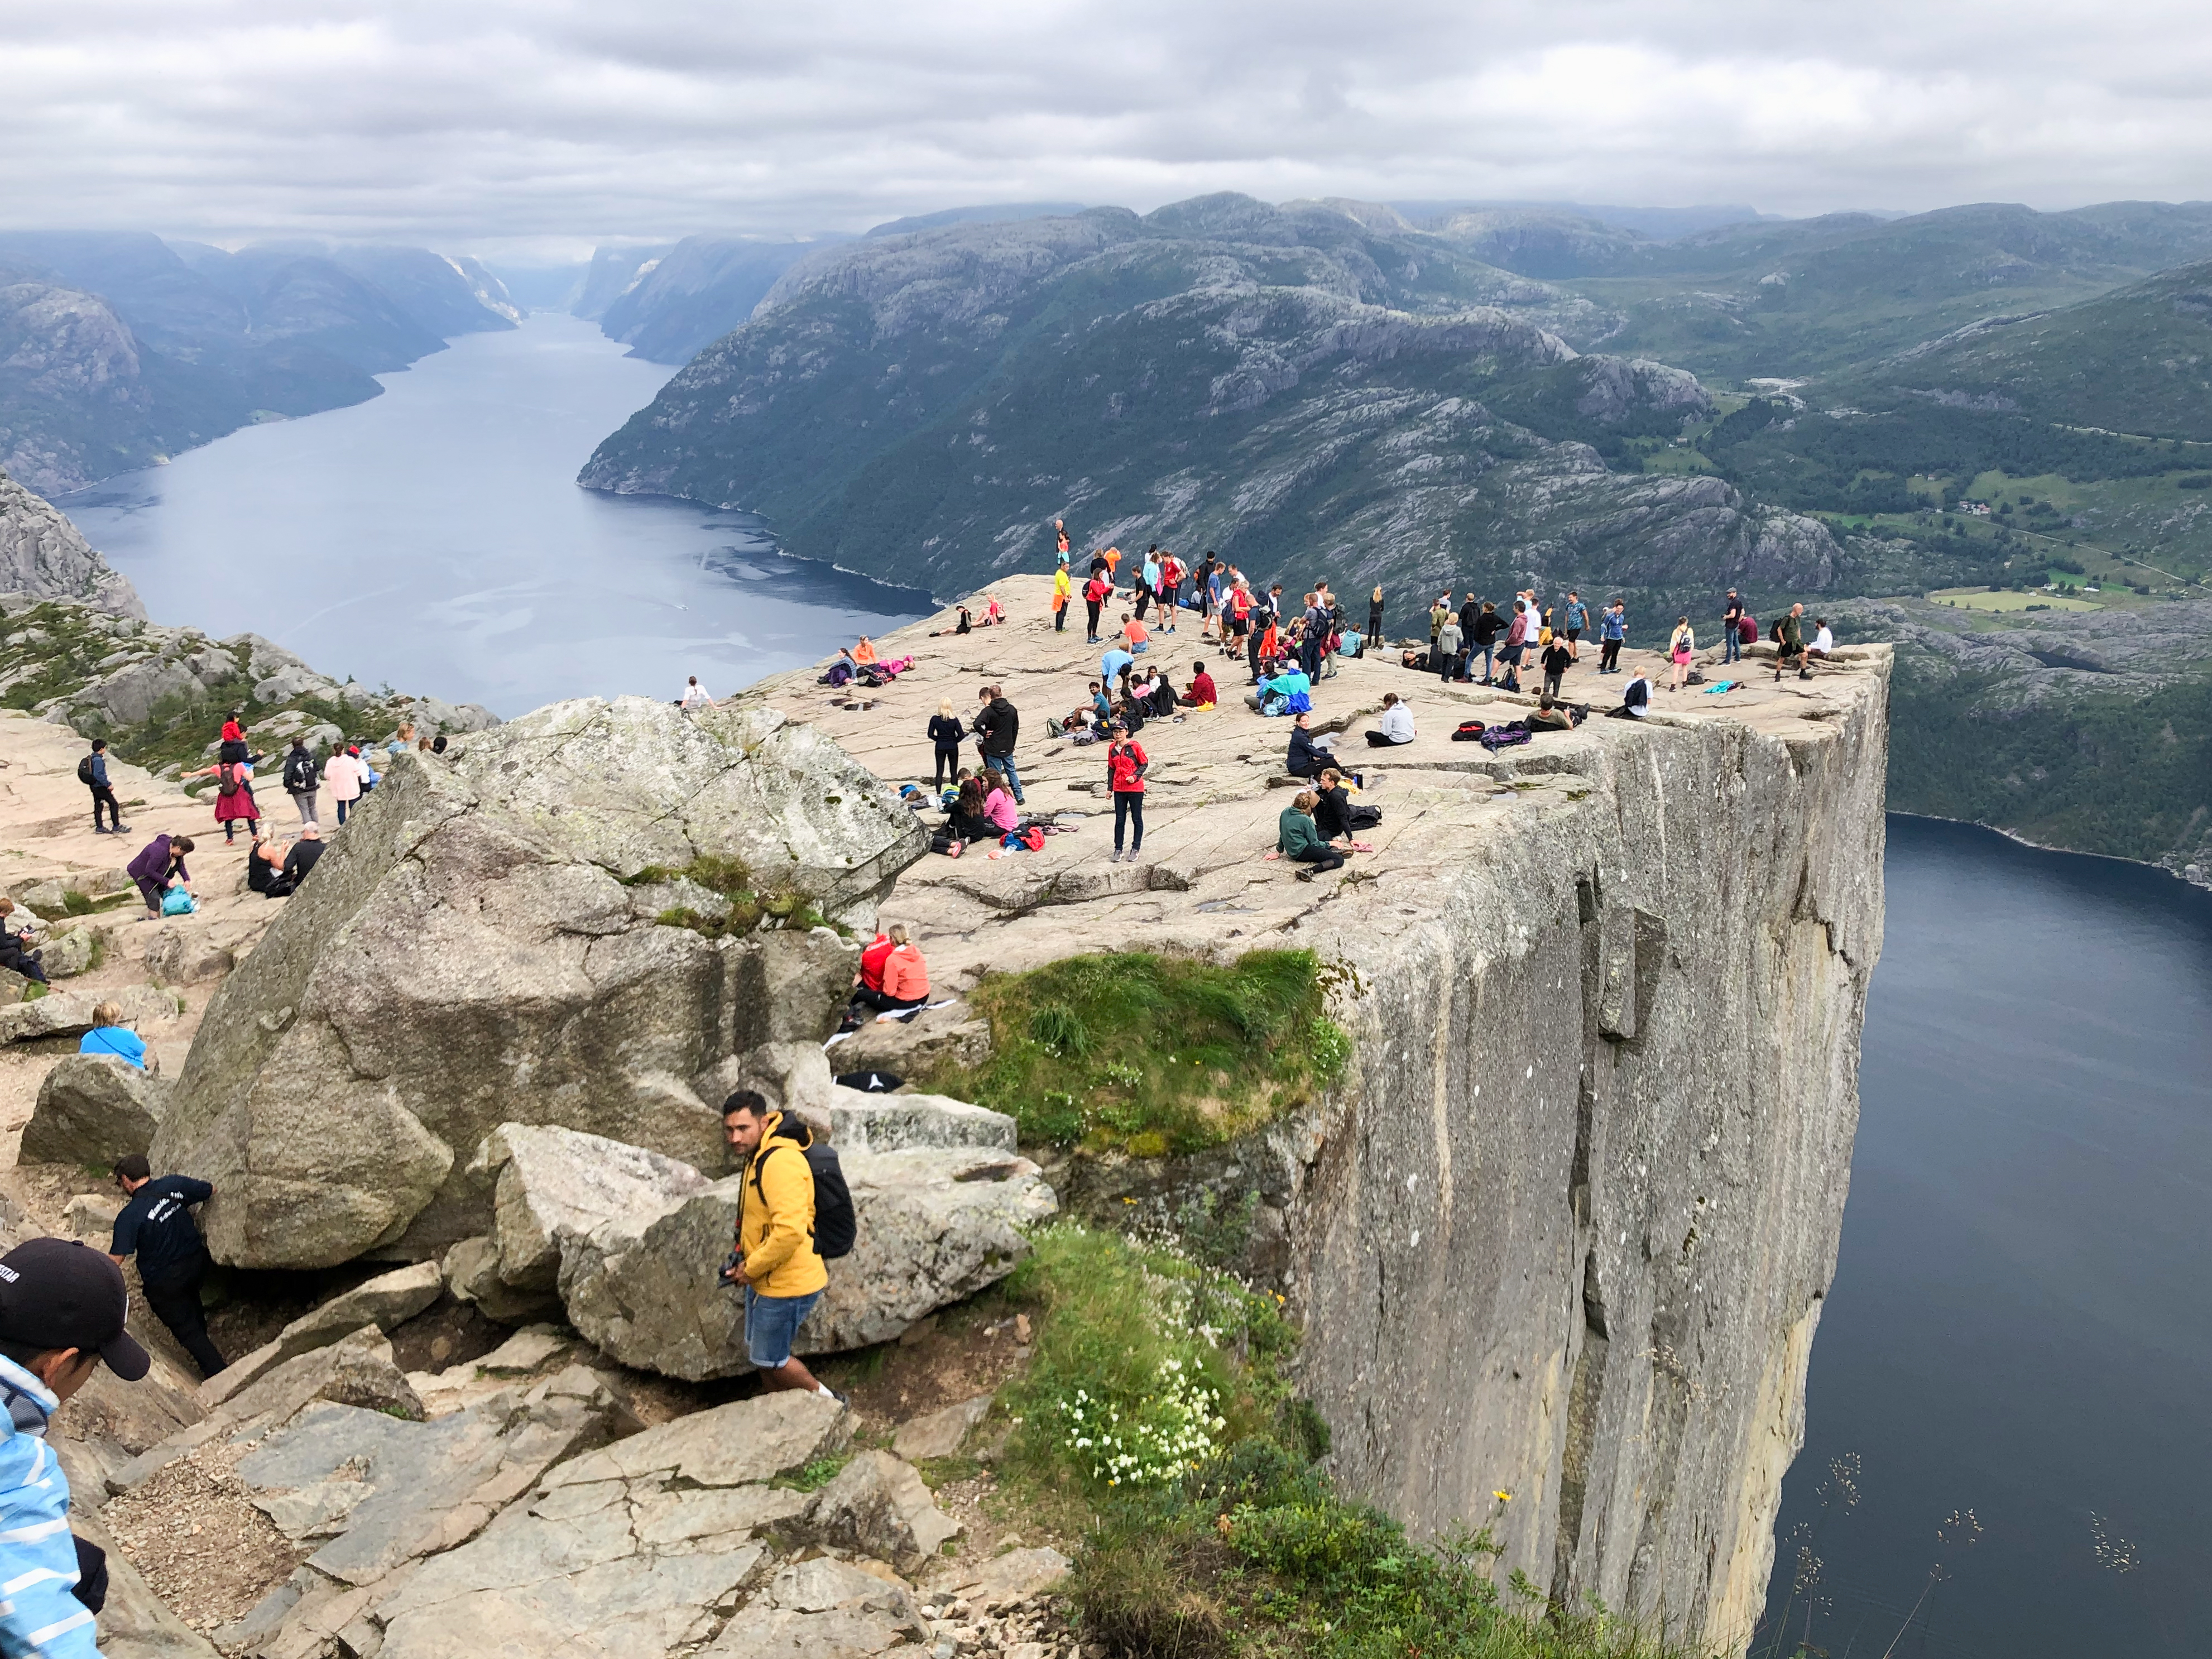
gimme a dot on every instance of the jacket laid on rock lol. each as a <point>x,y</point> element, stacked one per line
<point>38,1557</point>
<point>775,1231</point>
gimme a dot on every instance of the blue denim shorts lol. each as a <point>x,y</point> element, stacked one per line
<point>771,1324</point>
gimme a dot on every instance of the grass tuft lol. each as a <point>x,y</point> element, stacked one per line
<point>1152,1055</point>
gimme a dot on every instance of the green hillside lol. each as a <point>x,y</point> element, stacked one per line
<point>1816,296</point>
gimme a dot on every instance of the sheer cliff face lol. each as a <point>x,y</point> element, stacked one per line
<point>1569,1235</point>
<point>1564,1229</point>
<point>41,554</point>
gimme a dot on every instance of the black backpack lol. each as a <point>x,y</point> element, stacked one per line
<point>300,775</point>
<point>84,770</point>
<point>835,1225</point>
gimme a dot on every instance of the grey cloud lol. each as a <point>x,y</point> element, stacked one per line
<point>510,121</point>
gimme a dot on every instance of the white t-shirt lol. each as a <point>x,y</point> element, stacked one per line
<point>695,695</point>
<point>1824,640</point>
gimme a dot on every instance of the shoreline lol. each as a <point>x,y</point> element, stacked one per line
<point>2017,839</point>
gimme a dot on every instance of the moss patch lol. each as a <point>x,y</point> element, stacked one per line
<point>1152,1055</point>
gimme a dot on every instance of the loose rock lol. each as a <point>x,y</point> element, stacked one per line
<point>94,1109</point>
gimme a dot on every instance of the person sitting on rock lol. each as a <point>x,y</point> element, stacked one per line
<point>157,1225</point>
<point>1202,693</point>
<point>62,1312</point>
<point>967,821</point>
<point>777,1266</point>
<point>1397,723</point>
<point>1332,813</point>
<point>110,1035</point>
<point>905,976</point>
<point>15,952</point>
<point>264,861</point>
<point>1289,693</point>
<point>1635,699</point>
<point>998,803</point>
<point>865,652</point>
<point>1308,755</point>
<point>297,863</point>
<point>1297,839</point>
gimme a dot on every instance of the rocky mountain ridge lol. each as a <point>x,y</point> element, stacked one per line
<point>1310,386</point>
<point>118,350</point>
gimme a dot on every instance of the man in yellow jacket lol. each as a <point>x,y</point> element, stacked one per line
<point>777,1266</point>
<point>1061,592</point>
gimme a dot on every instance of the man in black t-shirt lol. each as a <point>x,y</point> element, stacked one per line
<point>1558,659</point>
<point>1731,622</point>
<point>157,1225</point>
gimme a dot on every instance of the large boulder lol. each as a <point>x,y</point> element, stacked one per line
<point>485,945</point>
<point>935,1225</point>
<point>384,1302</point>
<point>69,1013</point>
<point>94,1109</point>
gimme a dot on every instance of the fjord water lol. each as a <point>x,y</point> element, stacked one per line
<point>2021,1320</point>
<point>435,538</point>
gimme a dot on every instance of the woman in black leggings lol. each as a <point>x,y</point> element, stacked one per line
<point>945,732</point>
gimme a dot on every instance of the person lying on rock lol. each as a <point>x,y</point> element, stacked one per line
<point>1297,839</point>
<point>62,1310</point>
<point>157,1225</point>
<point>1549,716</point>
<point>777,1267</point>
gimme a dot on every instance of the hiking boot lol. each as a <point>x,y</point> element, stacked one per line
<point>1306,875</point>
<point>1804,673</point>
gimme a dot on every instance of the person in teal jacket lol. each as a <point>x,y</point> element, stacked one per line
<point>1299,840</point>
<point>62,1308</point>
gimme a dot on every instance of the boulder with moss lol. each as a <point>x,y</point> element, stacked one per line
<point>485,944</point>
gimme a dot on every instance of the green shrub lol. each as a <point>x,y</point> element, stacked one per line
<point>1152,1055</point>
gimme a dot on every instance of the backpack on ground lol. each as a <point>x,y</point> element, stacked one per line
<point>178,902</point>
<point>84,770</point>
<point>1469,731</point>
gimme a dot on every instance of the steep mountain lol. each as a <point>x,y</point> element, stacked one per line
<point>121,349</point>
<point>701,289</point>
<point>42,555</point>
<point>611,274</point>
<point>1314,386</point>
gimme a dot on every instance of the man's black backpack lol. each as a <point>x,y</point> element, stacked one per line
<point>835,1225</point>
<point>84,770</point>
<point>300,773</point>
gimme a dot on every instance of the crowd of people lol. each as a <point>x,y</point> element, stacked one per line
<point>1287,648</point>
<point>274,868</point>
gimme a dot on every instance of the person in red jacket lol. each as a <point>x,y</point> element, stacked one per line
<point>871,962</point>
<point>1201,694</point>
<point>905,976</point>
<point>1094,595</point>
<point>1126,762</point>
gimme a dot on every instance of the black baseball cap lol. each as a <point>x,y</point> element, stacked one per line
<point>59,1293</point>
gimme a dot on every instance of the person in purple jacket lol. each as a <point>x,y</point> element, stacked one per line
<point>160,861</point>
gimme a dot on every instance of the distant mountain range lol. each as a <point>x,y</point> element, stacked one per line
<point>118,350</point>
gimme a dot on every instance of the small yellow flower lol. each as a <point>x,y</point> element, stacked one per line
<point>1503,1497</point>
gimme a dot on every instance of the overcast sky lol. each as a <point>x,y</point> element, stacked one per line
<point>514,127</point>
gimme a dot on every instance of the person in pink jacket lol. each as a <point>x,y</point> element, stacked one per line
<point>343,778</point>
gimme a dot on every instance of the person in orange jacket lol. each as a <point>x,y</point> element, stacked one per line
<point>905,976</point>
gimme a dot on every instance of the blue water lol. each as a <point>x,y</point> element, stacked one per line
<point>2021,1321</point>
<point>434,539</point>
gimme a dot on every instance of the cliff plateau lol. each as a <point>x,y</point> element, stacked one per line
<point>1564,1228</point>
